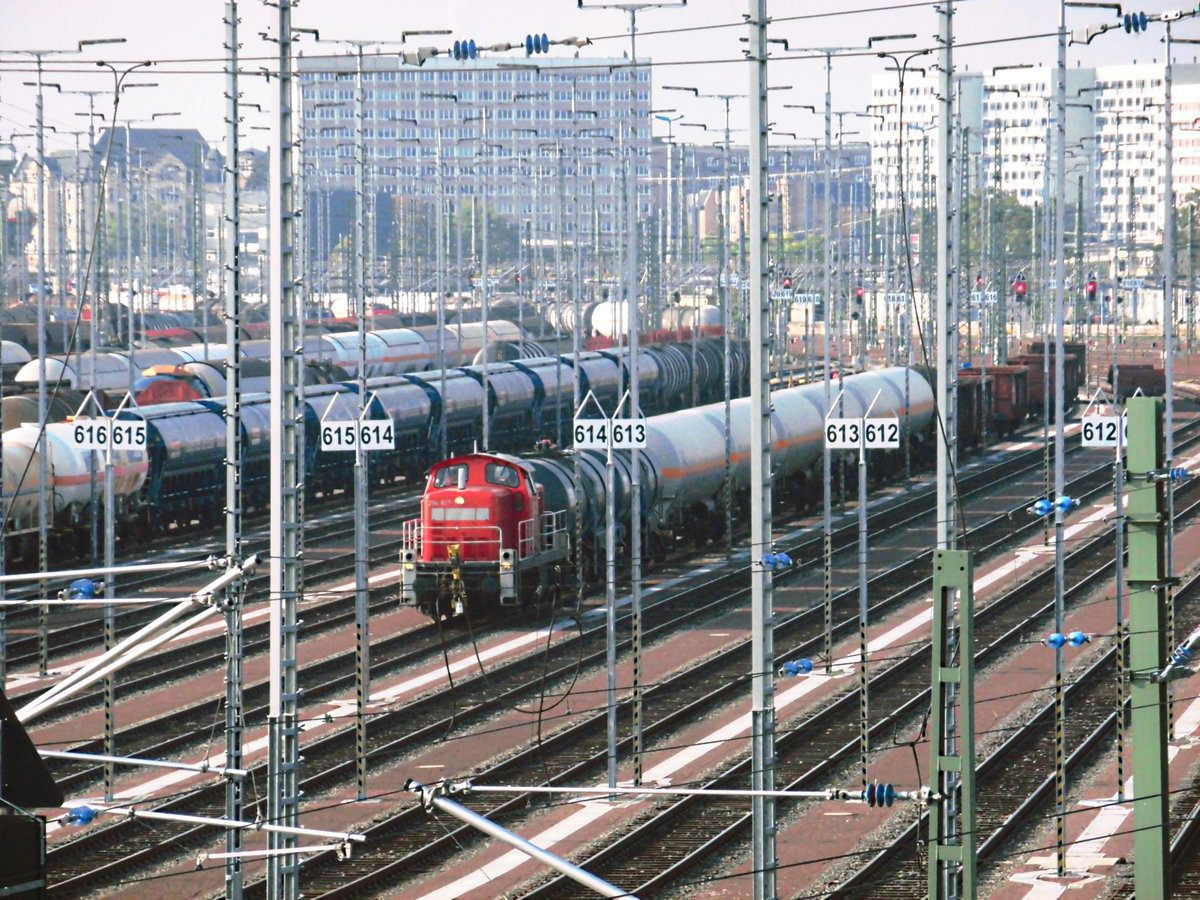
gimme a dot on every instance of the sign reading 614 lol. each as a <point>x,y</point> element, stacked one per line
<point>349,435</point>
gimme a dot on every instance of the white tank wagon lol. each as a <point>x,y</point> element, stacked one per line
<point>71,483</point>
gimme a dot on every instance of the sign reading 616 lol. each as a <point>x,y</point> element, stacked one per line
<point>100,434</point>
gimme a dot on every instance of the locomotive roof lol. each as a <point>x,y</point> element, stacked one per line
<point>505,457</point>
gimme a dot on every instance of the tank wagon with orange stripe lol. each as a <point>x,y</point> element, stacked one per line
<point>183,471</point>
<point>502,531</point>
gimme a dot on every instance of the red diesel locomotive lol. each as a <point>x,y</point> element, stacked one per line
<point>484,537</point>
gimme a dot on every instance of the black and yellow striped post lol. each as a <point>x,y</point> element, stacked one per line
<point>1147,580</point>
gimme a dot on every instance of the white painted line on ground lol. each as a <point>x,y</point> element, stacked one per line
<point>22,679</point>
<point>1086,851</point>
<point>1026,555</point>
<point>662,773</point>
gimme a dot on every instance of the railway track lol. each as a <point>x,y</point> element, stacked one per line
<point>689,697</point>
<point>83,856</point>
<point>82,633</point>
<point>1026,758</point>
<point>815,755</point>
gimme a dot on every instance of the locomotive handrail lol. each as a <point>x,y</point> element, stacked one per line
<point>410,534</point>
<point>465,536</point>
<point>527,539</point>
<point>554,530</point>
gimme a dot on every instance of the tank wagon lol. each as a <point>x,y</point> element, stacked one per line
<point>497,530</point>
<point>182,478</point>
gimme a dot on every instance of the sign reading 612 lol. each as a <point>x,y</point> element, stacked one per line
<point>872,434</point>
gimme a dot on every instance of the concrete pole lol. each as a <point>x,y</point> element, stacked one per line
<point>762,666</point>
<point>42,446</point>
<point>826,298</point>
<point>632,219</point>
<point>484,288</point>
<point>1060,279</point>
<point>727,326</point>
<point>362,594</point>
<point>1168,266</point>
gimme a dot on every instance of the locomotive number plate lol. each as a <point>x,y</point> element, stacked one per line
<point>349,435</point>
<point>100,434</point>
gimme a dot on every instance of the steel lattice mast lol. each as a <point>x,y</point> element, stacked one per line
<point>286,477</point>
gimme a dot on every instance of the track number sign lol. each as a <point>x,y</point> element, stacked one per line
<point>843,433</point>
<point>881,434</point>
<point>1101,431</point>
<point>873,434</point>
<point>349,435</point>
<point>595,434</point>
<point>100,434</point>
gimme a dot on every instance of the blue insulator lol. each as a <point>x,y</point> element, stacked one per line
<point>768,561</point>
<point>1078,638</point>
<point>783,559</point>
<point>1066,504</point>
<point>83,589</point>
<point>869,795</point>
<point>1135,22</point>
<point>1181,655</point>
<point>889,794</point>
<point>81,815</point>
<point>1055,640</point>
<point>1178,475</point>
<point>1041,507</point>
<point>965,365</point>
<point>792,668</point>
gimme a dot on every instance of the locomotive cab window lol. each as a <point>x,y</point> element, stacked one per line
<point>505,476</point>
<point>450,476</point>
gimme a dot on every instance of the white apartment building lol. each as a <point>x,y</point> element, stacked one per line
<point>1114,136</point>
<point>904,140</point>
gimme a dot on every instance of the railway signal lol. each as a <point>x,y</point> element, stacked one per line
<point>1091,291</point>
<point>1019,288</point>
